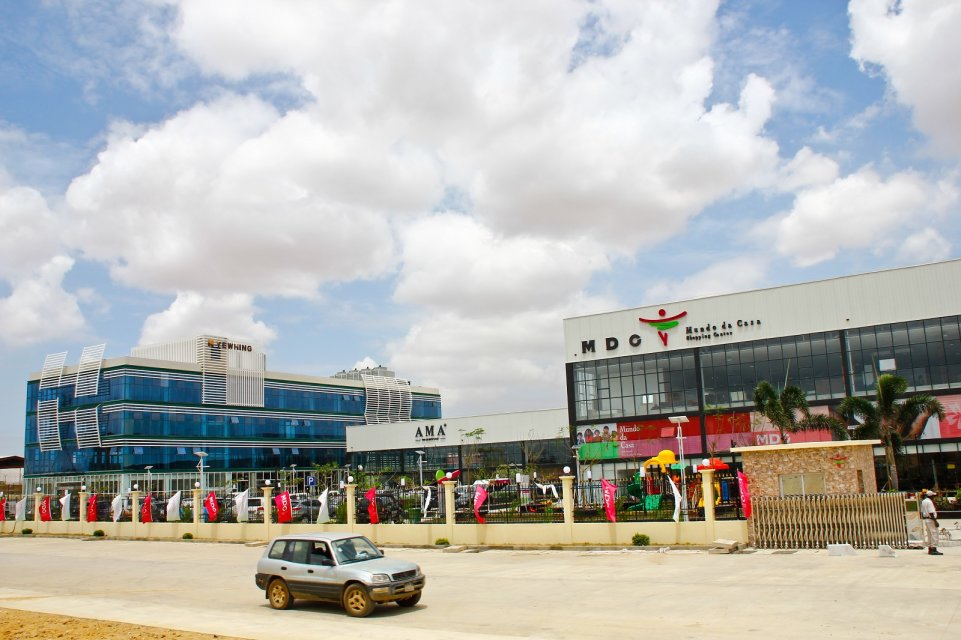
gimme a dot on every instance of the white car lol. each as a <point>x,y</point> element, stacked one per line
<point>337,567</point>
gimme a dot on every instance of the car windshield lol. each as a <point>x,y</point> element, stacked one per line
<point>354,550</point>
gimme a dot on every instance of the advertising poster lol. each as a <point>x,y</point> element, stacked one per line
<point>646,438</point>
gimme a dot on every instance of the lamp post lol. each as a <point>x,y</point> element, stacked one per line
<point>148,468</point>
<point>293,475</point>
<point>678,421</point>
<point>420,465</point>
<point>201,455</point>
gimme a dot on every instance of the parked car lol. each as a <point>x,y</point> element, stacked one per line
<point>389,508</point>
<point>336,567</point>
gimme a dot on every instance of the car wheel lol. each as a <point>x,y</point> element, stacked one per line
<point>357,602</point>
<point>279,595</point>
<point>411,601</point>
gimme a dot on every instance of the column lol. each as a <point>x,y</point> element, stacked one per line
<point>449,508</point>
<point>268,508</point>
<point>351,505</point>
<point>196,508</point>
<point>707,490</point>
<point>83,508</point>
<point>36,506</point>
<point>135,506</point>
<point>567,499</point>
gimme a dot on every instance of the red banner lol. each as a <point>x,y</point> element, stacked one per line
<point>3,509</point>
<point>610,493</point>
<point>45,509</point>
<point>211,507</point>
<point>372,505</point>
<point>146,513</point>
<point>480,496</point>
<point>745,494</point>
<point>282,501</point>
<point>92,508</point>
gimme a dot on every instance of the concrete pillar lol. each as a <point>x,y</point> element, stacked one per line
<point>83,508</point>
<point>351,505</point>
<point>450,517</point>
<point>567,500</point>
<point>36,506</point>
<point>135,506</point>
<point>268,509</point>
<point>195,509</point>
<point>707,490</point>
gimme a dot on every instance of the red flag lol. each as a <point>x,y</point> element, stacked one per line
<point>3,509</point>
<point>45,509</point>
<point>372,505</point>
<point>610,492</point>
<point>146,513</point>
<point>745,494</point>
<point>282,501</point>
<point>92,508</point>
<point>480,496</point>
<point>211,507</point>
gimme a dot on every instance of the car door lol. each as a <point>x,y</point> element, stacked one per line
<point>323,572</point>
<point>296,569</point>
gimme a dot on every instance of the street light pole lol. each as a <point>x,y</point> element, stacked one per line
<point>420,465</point>
<point>678,422</point>
<point>149,485</point>
<point>201,455</point>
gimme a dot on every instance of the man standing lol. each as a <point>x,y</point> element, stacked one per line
<point>929,518</point>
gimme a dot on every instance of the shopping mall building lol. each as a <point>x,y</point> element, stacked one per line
<point>165,409</point>
<point>634,377</point>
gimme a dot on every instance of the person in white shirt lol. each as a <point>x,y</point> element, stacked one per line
<point>929,521</point>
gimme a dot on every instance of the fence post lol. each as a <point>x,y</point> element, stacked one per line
<point>36,507</point>
<point>83,509</point>
<point>268,509</point>
<point>196,513</point>
<point>135,507</point>
<point>351,505</point>
<point>567,499</point>
<point>450,516</point>
<point>707,490</point>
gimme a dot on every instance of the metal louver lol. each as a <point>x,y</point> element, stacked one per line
<point>48,425</point>
<point>387,399</point>
<point>52,370</point>
<point>88,372</point>
<point>88,428</point>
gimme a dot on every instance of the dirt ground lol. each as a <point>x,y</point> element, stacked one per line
<point>27,625</point>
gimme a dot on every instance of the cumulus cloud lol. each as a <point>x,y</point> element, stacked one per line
<point>927,245</point>
<point>38,308</point>
<point>915,44</point>
<point>806,169</point>
<point>741,273</point>
<point>193,314</point>
<point>860,211</point>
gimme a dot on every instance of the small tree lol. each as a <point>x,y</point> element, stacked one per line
<point>889,420</point>
<point>788,411</point>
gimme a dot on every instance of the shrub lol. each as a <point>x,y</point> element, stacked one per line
<point>98,533</point>
<point>640,540</point>
<point>27,532</point>
<point>442,542</point>
<point>188,536</point>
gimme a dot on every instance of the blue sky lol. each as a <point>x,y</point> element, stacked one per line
<point>434,186</point>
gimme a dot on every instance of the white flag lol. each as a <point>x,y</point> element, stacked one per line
<point>426,502</point>
<point>322,515</point>
<point>116,507</point>
<point>545,487</point>
<point>65,506</point>
<point>173,508</point>
<point>677,498</point>
<point>241,501</point>
<point>21,512</point>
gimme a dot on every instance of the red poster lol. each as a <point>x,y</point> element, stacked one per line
<point>282,501</point>
<point>372,505</point>
<point>745,494</point>
<point>45,509</point>
<point>3,509</point>
<point>211,507</point>
<point>146,513</point>
<point>610,493</point>
<point>647,438</point>
<point>480,496</point>
<point>92,508</point>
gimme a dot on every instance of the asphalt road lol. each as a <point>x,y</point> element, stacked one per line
<point>209,587</point>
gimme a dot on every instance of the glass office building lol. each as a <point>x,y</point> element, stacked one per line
<point>162,405</point>
<point>637,376</point>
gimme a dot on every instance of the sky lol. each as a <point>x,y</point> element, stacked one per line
<point>434,186</point>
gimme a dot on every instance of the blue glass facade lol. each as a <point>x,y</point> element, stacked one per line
<point>156,417</point>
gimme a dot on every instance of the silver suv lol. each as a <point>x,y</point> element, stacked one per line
<point>338,567</point>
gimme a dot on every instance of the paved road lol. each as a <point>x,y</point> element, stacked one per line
<point>209,588</point>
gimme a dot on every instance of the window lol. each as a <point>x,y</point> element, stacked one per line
<point>801,484</point>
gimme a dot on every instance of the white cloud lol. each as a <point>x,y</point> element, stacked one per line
<point>916,44</point>
<point>741,273</point>
<point>859,211</point>
<point>193,314</point>
<point>927,245</point>
<point>38,308</point>
<point>29,233</point>
<point>807,169</point>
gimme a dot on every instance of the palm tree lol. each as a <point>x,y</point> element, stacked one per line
<point>888,420</point>
<point>788,411</point>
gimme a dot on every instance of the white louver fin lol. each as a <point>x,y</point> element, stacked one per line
<point>88,428</point>
<point>387,399</point>
<point>48,425</point>
<point>88,373</point>
<point>52,370</point>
